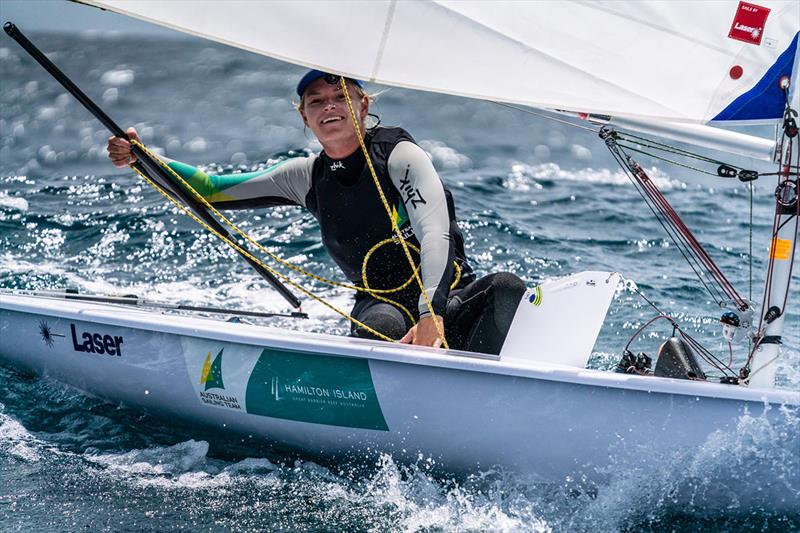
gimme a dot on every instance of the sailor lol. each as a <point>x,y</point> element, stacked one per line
<point>337,187</point>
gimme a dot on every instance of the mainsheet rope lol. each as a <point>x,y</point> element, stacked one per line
<point>395,227</point>
<point>235,245</point>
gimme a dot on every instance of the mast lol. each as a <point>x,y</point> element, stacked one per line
<point>779,271</point>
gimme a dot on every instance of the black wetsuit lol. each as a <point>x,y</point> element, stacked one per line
<point>342,196</point>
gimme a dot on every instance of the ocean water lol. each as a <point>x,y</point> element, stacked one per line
<point>533,196</point>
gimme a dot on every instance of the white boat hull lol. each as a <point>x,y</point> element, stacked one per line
<point>344,397</point>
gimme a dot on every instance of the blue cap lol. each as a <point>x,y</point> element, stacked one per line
<point>313,75</point>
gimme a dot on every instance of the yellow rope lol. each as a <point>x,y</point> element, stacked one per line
<point>372,250</point>
<point>365,278</point>
<point>247,254</point>
<point>252,241</point>
<point>395,227</point>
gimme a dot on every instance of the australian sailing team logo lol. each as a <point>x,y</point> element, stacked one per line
<point>211,378</point>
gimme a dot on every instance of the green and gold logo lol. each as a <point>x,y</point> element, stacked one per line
<point>211,376</point>
<point>536,296</point>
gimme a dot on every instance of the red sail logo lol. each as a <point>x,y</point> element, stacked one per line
<point>748,24</point>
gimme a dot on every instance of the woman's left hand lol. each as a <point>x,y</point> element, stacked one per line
<point>425,333</point>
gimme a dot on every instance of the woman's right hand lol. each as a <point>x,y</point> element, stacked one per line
<point>119,149</point>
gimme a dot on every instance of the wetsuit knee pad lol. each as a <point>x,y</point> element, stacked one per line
<point>507,291</point>
<point>381,317</point>
<point>507,287</point>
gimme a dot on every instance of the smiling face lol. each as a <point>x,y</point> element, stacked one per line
<point>324,110</point>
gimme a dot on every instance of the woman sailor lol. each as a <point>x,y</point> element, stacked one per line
<point>337,188</point>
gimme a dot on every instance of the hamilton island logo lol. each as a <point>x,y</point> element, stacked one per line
<point>211,376</point>
<point>536,296</point>
<point>47,334</point>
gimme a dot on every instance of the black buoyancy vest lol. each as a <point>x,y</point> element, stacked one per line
<point>352,218</point>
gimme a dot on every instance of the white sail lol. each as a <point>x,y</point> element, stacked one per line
<point>690,61</point>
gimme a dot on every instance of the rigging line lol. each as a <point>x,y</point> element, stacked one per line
<point>648,201</point>
<point>681,227</point>
<point>707,356</point>
<point>767,290</point>
<point>641,328</point>
<point>670,148</point>
<point>791,263</point>
<point>672,161</point>
<point>669,232</point>
<point>785,222</point>
<point>686,234</point>
<point>545,116</point>
<point>646,299</point>
<point>751,188</point>
<point>762,367</point>
<point>696,248</point>
<point>688,253</point>
<point>673,149</point>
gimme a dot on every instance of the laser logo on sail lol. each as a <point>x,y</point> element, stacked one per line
<point>211,376</point>
<point>748,23</point>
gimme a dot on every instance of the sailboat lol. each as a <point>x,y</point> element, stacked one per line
<point>637,70</point>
